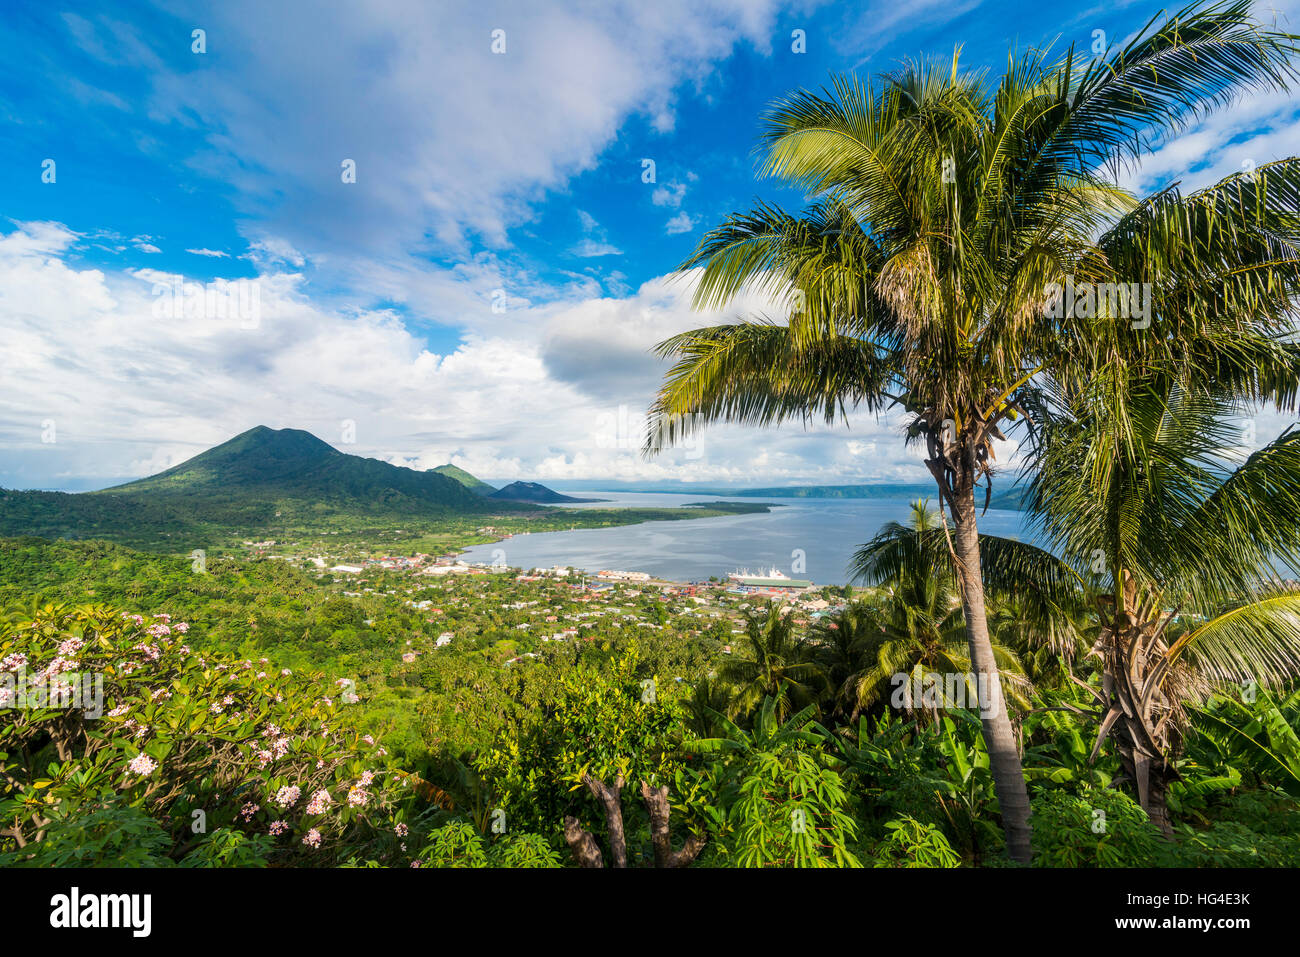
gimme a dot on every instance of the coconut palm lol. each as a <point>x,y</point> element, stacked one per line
<point>842,642</point>
<point>774,663</point>
<point>920,638</point>
<point>1183,540</point>
<point>945,206</point>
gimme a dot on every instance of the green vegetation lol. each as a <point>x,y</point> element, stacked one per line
<point>474,484</point>
<point>1136,685</point>
<point>746,735</point>
<point>972,257</point>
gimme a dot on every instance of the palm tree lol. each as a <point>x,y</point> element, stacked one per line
<point>921,634</point>
<point>842,644</point>
<point>1182,538</point>
<point>779,666</point>
<point>945,207</point>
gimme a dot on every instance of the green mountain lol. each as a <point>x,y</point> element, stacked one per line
<point>291,463</point>
<point>471,482</point>
<point>259,480</point>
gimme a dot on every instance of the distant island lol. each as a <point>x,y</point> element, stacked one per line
<point>287,483</point>
<point>1011,499</point>
<point>1009,496</point>
<point>533,492</point>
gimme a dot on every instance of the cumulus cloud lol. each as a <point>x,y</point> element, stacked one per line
<point>1256,130</point>
<point>501,130</point>
<point>670,194</point>
<point>681,223</point>
<point>130,392</point>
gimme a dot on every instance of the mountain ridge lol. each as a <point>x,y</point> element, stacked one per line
<point>535,492</point>
<point>294,463</point>
<point>471,482</point>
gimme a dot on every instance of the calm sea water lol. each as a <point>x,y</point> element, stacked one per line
<point>826,532</point>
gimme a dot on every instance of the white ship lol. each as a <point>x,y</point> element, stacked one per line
<point>772,574</point>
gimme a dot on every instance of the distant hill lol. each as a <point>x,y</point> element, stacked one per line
<point>532,492</point>
<point>261,479</point>
<point>471,482</point>
<point>1010,498</point>
<point>291,463</point>
<point>839,491</point>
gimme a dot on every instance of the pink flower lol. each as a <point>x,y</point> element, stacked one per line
<point>180,627</point>
<point>13,662</point>
<point>312,839</point>
<point>320,801</point>
<point>278,827</point>
<point>358,797</point>
<point>142,765</point>
<point>288,795</point>
<point>400,830</point>
<point>248,810</point>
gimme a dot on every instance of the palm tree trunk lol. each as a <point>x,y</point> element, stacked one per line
<point>999,739</point>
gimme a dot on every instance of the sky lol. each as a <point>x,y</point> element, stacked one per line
<point>435,231</point>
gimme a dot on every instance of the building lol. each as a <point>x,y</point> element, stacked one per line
<point>623,576</point>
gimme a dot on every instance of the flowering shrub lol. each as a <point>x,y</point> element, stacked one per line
<point>235,761</point>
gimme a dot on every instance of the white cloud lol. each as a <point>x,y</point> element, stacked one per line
<point>494,132</point>
<point>589,248</point>
<point>669,194</point>
<point>213,253</point>
<point>1254,131</point>
<point>556,391</point>
<point>681,223</point>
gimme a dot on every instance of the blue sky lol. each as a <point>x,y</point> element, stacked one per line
<point>481,177</point>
